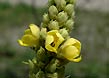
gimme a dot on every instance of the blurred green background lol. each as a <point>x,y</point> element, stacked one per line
<point>91,28</point>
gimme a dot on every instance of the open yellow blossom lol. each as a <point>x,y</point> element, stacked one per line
<point>71,50</point>
<point>30,37</point>
<point>53,40</point>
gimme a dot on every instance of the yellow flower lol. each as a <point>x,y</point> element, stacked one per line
<point>53,40</point>
<point>71,50</point>
<point>30,37</point>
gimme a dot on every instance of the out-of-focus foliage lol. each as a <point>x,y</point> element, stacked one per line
<point>19,15</point>
<point>91,27</point>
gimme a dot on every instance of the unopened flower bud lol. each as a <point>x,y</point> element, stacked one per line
<point>69,9</point>
<point>60,4</point>
<point>39,74</point>
<point>69,24</point>
<point>53,25</point>
<point>52,66</point>
<point>43,33</point>
<point>64,33</point>
<point>41,56</point>
<point>31,64</point>
<point>62,17</point>
<point>34,60</point>
<point>43,25</point>
<point>67,0</point>
<point>53,11</point>
<point>73,14</point>
<point>46,18</point>
<point>50,2</point>
<point>52,75</point>
<point>70,1</point>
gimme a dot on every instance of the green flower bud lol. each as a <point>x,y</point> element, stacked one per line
<point>24,62</point>
<point>70,1</point>
<point>61,71</point>
<point>32,75</point>
<point>34,60</point>
<point>43,33</point>
<point>73,14</point>
<point>53,25</point>
<point>69,24</point>
<point>40,74</point>
<point>50,2</point>
<point>41,64</point>
<point>67,0</point>
<point>64,33</point>
<point>60,4</point>
<point>53,11</point>
<point>62,17</point>
<point>46,18</point>
<point>53,75</point>
<point>69,9</point>
<point>44,25</point>
<point>52,66</point>
<point>31,64</point>
<point>41,55</point>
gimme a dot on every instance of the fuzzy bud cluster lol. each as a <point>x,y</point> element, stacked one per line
<point>61,13</point>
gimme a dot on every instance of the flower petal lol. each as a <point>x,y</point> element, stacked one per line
<point>34,29</point>
<point>49,40</point>
<point>77,59</point>
<point>70,52</point>
<point>77,45</point>
<point>58,40</point>
<point>72,41</point>
<point>52,32</point>
<point>27,31</point>
<point>21,43</point>
<point>28,40</point>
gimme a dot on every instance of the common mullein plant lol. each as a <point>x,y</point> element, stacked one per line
<point>53,46</point>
